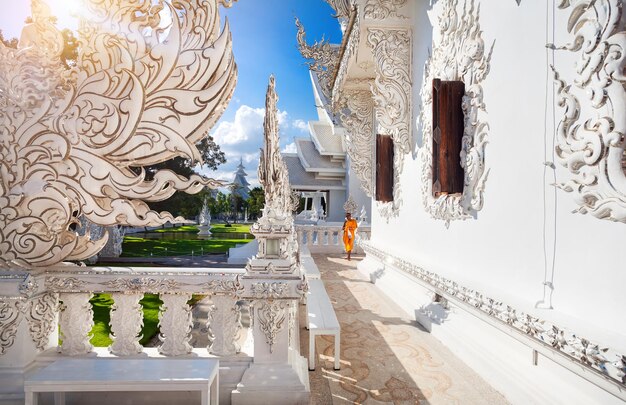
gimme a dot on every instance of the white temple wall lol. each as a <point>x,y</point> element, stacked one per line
<point>336,199</point>
<point>500,252</point>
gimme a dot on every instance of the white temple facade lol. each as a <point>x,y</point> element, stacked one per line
<point>496,207</point>
<point>319,169</point>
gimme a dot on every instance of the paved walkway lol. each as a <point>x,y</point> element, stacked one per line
<point>385,357</point>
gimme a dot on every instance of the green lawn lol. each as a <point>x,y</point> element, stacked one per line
<point>135,246</point>
<point>215,228</point>
<point>101,316</point>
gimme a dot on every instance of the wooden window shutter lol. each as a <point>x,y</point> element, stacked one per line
<point>448,125</point>
<point>384,168</point>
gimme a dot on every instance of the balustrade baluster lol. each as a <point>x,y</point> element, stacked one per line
<point>224,325</point>
<point>126,323</point>
<point>325,234</point>
<point>175,323</point>
<point>76,321</point>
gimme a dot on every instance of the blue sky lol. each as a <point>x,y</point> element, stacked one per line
<point>264,42</point>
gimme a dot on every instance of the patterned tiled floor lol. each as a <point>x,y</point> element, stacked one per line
<point>385,357</point>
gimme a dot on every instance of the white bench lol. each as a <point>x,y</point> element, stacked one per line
<point>310,268</point>
<point>321,319</point>
<point>93,375</point>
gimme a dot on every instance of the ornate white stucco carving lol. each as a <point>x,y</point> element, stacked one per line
<point>325,59</point>
<point>460,55</point>
<point>76,321</point>
<point>392,96</point>
<point>175,324</point>
<point>41,317</point>
<point>126,323</point>
<point>271,318</point>
<point>10,318</point>
<point>138,95</point>
<point>591,143</point>
<point>350,205</point>
<point>273,174</point>
<point>357,116</point>
<point>382,9</point>
<point>225,317</point>
<point>269,290</point>
<point>351,46</point>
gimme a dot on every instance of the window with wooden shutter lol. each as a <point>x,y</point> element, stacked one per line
<point>448,123</point>
<point>384,168</point>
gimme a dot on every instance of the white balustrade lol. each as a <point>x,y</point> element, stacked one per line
<point>328,238</point>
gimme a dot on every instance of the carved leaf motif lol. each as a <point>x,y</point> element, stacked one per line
<point>271,317</point>
<point>10,318</point>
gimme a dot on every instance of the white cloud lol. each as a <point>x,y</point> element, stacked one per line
<point>301,125</point>
<point>242,138</point>
<point>290,148</point>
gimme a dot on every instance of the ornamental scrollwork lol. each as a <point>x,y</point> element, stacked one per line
<point>591,135</point>
<point>358,119</point>
<point>142,284</point>
<point>459,55</point>
<point>41,317</point>
<point>64,284</point>
<point>10,319</point>
<point>271,318</point>
<point>579,349</point>
<point>393,99</point>
<point>221,286</point>
<point>350,50</point>
<point>324,56</point>
<point>268,290</point>
<point>137,95</point>
<point>382,9</point>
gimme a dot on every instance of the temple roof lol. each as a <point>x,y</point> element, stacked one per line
<point>325,139</point>
<point>312,160</point>
<point>300,179</point>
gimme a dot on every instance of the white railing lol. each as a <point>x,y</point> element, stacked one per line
<point>35,305</point>
<point>328,238</point>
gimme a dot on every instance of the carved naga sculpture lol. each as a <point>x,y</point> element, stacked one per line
<point>73,141</point>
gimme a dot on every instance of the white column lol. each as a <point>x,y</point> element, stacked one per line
<point>76,323</point>
<point>175,323</point>
<point>126,323</point>
<point>224,326</point>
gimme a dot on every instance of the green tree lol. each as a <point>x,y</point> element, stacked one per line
<point>183,204</point>
<point>256,201</point>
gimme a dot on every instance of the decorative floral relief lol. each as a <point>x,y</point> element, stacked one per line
<point>41,317</point>
<point>392,95</point>
<point>577,348</point>
<point>64,284</point>
<point>382,9</point>
<point>591,142</point>
<point>460,55</point>
<point>142,284</point>
<point>271,318</point>
<point>269,290</point>
<point>357,117</point>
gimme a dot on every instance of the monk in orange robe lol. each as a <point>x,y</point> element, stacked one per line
<point>349,233</point>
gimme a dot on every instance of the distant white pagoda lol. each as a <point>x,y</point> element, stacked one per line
<point>241,186</point>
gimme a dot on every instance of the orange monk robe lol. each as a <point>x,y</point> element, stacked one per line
<point>349,232</point>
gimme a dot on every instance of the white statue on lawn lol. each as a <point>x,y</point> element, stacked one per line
<point>204,219</point>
